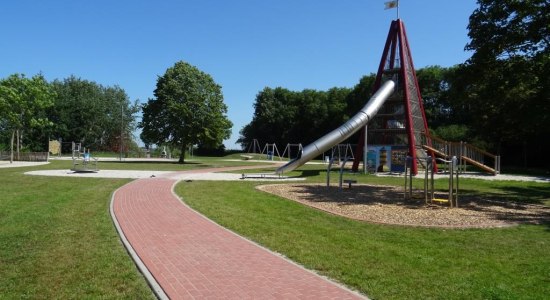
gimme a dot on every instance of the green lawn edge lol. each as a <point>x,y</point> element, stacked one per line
<point>390,262</point>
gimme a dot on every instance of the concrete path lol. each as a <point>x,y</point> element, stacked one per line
<point>186,256</point>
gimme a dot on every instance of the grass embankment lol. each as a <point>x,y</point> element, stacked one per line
<point>391,262</point>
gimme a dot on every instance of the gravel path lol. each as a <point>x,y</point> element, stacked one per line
<point>386,205</point>
<point>16,164</point>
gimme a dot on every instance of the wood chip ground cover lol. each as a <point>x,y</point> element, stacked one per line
<point>386,205</point>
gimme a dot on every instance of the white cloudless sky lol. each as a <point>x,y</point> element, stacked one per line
<point>245,45</point>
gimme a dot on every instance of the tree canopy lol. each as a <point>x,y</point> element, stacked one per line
<point>73,110</point>
<point>92,114</point>
<point>188,109</point>
<point>506,82</point>
<point>294,117</point>
<point>502,29</point>
<point>22,105</point>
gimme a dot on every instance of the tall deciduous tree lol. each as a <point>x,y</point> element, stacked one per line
<point>500,29</point>
<point>92,114</point>
<point>507,79</point>
<point>283,116</point>
<point>188,109</point>
<point>22,105</point>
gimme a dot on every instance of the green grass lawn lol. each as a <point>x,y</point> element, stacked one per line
<point>391,262</point>
<point>57,239</point>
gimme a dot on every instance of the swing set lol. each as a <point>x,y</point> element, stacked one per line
<point>270,150</point>
<point>289,150</point>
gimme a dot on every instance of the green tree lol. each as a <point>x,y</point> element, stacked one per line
<point>188,109</point>
<point>283,116</point>
<point>433,86</point>
<point>500,29</point>
<point>274,114</point>
<point>505,82</point>
<point>22,106</point>
<point>92,114</point>
<point>360,94</point>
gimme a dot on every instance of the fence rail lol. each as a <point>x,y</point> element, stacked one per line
<point>465,152</point>
<point>25,156</point>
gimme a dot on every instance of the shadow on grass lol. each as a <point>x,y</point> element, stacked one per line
<point>310,173</point>
<point>531,194</point>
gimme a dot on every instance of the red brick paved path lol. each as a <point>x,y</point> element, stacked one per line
<point>192,257</point>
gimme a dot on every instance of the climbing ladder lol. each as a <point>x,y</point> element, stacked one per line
<point>401,118</point>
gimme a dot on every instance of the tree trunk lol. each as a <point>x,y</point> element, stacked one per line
<point>18,144</point>
<point>11,146</point>
<point>182,154</point>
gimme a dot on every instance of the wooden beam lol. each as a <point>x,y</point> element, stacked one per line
<point>435,151</point>
<point>479,165</point>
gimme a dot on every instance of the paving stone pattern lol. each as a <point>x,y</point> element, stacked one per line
<point>192,257</point>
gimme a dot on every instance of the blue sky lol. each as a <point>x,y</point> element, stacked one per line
<point>245,45</point>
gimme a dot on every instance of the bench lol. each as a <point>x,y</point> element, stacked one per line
<point>349,182</point>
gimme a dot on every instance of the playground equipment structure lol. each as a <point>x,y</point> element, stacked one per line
<point>342,152</point>
<point>83,162</point>
<point>395,114</point>
<point>343,132</point>
<point>341,172</point>
<point>429,190</point>
<point>270,150</point>
<point>401,119</point>
<point>254,146</point>
<point>288,150</point>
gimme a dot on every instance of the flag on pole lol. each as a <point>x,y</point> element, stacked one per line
<point>391,4</point>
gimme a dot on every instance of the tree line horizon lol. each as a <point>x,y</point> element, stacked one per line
<point>499,100</point>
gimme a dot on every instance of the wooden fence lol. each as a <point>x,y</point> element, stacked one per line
<point>25,156</point>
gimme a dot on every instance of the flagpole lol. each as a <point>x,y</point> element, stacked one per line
<point>398,9</point>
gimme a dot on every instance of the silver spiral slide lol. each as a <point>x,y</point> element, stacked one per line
<point>358,121</point>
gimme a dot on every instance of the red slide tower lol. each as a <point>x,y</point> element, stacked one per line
<point>401,120</point>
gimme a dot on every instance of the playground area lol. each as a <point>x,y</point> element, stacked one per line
<point>386,205</point>
<point>237,201</point>
<point>380,204</point>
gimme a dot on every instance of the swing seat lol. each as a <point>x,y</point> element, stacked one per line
<point>440,200</point>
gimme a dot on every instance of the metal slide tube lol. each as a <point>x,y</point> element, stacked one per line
<point>343,132</point>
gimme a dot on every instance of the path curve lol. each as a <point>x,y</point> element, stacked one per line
<point>184,255</point>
